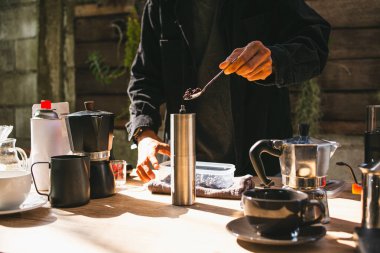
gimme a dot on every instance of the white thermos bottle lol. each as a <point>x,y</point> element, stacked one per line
<point>48,138</point>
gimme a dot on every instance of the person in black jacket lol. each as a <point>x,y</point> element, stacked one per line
<point>277,43</point>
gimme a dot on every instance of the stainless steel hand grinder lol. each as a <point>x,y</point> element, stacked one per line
<point>182,148</point>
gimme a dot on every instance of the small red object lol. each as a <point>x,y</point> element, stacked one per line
<point>356,189</point>
<point>46,104</point>
<point>118,171</point>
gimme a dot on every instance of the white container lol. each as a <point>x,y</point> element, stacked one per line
<point>48,138</point>
<point>207,174</point>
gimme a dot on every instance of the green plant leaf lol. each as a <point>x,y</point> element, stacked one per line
<point>104,73</point>
<point>133,40</point>
<point>308,105</point>
<point>101,71</point>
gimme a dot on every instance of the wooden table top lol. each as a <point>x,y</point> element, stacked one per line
<point>134,220</point>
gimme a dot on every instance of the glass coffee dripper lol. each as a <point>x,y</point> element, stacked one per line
<point>5,130</point>
<point>9,156</point>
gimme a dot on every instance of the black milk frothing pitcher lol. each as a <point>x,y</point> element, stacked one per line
<point>69,180</point>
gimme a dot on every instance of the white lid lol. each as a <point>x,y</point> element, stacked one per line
<point>209,167</point>
<point>61,108</point>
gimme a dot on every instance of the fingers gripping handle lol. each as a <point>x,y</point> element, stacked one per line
<point>262,146</point>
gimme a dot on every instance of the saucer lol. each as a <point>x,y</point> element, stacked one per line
<point>243,231</point>
<point>33,201</point>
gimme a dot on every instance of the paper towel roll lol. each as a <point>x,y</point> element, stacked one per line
<point>48,138</point>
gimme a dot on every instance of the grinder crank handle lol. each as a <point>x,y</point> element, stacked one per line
<point>263,146</point>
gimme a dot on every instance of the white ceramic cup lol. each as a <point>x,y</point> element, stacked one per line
<point>14,188</point>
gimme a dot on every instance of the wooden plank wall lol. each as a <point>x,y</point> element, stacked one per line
<point>94,33</point>
<point>350,81</point>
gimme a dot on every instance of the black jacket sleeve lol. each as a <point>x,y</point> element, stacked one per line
<point>302,49</point>
<point>146,87</point>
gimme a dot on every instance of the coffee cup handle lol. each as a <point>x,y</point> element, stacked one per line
<point>322,210</point>
<point>35,185</point>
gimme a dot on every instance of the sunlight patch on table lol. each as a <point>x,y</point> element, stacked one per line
<point>342,238</point>
<point>338,209</point>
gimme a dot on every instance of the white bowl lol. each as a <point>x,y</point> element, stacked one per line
<point>14,188</point>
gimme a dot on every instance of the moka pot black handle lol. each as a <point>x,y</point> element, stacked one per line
<point>271,147</point>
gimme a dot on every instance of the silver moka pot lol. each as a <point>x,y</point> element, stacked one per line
<point>304,160</point>
<point>304,164</point>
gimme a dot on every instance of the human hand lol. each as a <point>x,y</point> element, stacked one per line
<point>149,145</point>
<point>253,62</point>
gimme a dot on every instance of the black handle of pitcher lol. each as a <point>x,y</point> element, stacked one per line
<point>35,184</point>
<point>263,146</point>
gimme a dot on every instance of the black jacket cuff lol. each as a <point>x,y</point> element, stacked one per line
<point>137,122</point>
<point>282,66</point>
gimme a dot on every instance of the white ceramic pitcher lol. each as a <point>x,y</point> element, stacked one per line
<point>9,159</point>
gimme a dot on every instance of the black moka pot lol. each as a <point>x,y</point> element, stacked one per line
<point>91,133</point>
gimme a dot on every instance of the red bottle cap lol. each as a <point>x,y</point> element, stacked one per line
<point>46,104</point>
